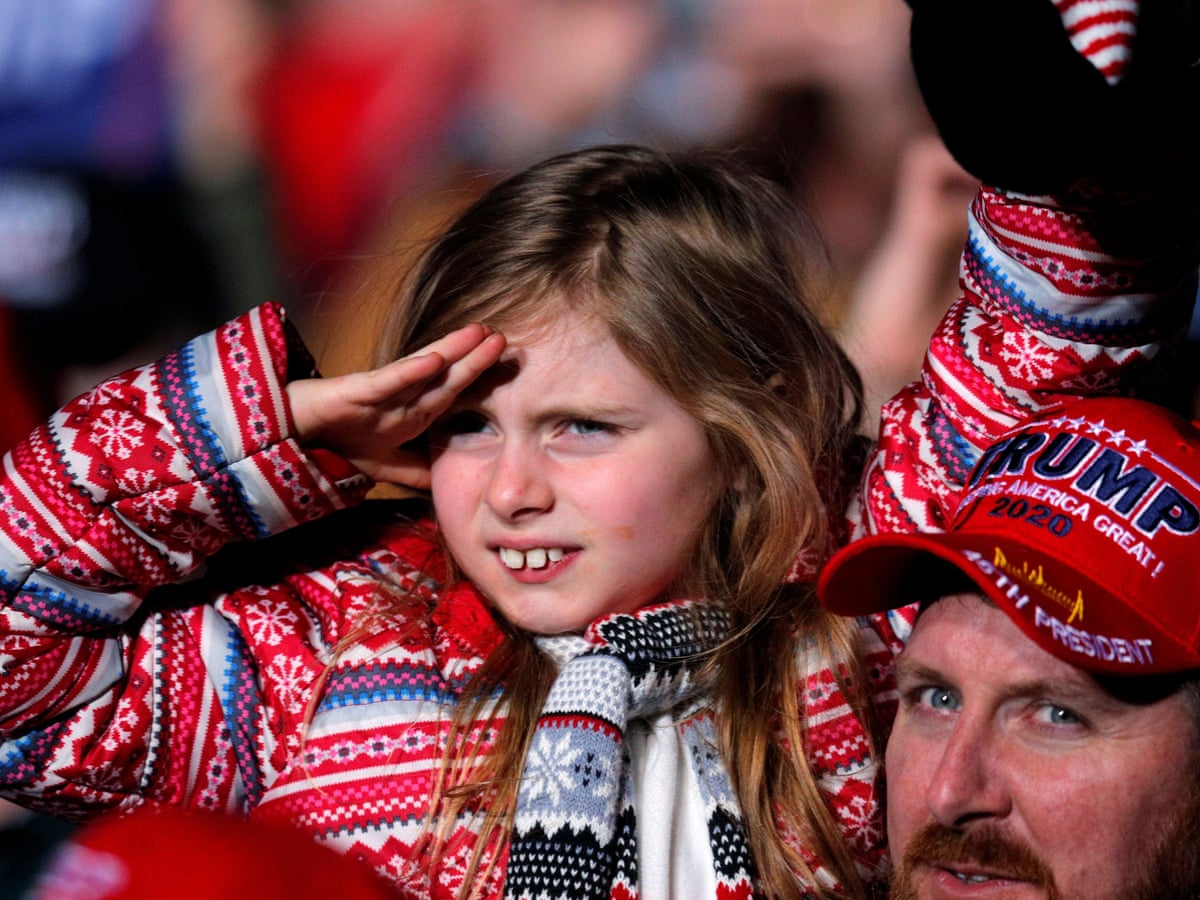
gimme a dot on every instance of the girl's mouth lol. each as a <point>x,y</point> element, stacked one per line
<point>533,558</point>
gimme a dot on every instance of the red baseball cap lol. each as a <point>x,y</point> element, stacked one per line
<point>1083,525</point>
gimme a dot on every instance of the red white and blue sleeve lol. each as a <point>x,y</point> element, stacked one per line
<point>104,698</point>
<point>1046,314</point>
<point>1079,273</point>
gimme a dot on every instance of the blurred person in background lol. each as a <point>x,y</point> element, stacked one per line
<point>98,257</point>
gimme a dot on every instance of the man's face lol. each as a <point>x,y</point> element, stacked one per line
<point>1014,774</point>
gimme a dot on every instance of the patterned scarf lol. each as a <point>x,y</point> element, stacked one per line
<point>575,833</point>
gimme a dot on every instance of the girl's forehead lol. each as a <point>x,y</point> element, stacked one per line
<point>567,335</point>
<point>574,358</point>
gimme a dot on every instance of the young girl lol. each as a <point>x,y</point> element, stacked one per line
<point>592,666</point>
<point>624,463</point>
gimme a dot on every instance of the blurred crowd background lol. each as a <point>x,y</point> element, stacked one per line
<point>165,164</point>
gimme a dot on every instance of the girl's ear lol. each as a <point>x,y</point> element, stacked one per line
<point>775,384</point>
<point>738,481</point>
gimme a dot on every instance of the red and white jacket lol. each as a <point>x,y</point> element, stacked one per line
<point>197,694</point>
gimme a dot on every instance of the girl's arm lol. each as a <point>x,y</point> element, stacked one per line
<point>131,486</point>
<point>134,485</point>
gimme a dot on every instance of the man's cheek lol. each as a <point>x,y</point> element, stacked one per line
<point>904,794</point>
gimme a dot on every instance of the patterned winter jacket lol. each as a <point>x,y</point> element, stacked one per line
<point>117,691</point>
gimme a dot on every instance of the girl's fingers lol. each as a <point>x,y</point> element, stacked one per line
<point>457,344</point>
<point>386,382</point>
<point>408,467</point>
<point>479,359</point>
<point>398,399</point>
<point>454,362</point>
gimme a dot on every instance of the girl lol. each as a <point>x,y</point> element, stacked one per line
<point>592,666</point>
<point>625,464</point>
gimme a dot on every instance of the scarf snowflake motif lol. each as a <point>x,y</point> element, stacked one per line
<point>575,833</point>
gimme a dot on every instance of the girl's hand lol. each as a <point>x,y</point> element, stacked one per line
<point>368,417</point>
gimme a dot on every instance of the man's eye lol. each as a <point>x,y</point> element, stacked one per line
<point>1058,715</point>
<point>938,698</point>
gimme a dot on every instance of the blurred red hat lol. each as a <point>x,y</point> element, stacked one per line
<point>165,852</point>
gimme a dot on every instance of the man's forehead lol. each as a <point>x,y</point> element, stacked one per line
<point>968,633</point>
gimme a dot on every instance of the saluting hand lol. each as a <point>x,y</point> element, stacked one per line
<point>369,417</point>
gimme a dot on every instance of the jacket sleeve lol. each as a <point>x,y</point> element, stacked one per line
<point>1046,314</point>
<point>129,487</point>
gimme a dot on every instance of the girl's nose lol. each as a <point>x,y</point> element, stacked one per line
<point>519,484</point>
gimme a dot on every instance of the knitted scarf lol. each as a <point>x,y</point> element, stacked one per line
<point>575,831</point>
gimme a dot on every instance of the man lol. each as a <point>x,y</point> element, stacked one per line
<point>1047,742</point>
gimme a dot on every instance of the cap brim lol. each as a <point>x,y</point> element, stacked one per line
<point>888,571</point>
<point>1043,595</point>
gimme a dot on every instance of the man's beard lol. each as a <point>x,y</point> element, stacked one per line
<point>1171,872</point>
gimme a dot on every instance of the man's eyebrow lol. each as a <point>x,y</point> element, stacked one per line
<point>917,671</point>
<point>1079,692</point>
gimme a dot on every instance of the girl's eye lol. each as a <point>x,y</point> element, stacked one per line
<point>587,427</point>
<point>938,698</point>
<point>462,424</point>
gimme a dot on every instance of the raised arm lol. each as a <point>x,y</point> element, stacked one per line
<point>110,692</point>
<point>1071,292</point>
<point>131,486</point>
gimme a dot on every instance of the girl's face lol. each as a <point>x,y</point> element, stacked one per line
<point>567,484</point>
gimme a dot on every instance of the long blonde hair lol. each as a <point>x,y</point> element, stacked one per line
<point>699,269</point>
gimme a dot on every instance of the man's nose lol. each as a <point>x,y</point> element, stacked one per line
<point>519,483</point>
<point>968,782</point>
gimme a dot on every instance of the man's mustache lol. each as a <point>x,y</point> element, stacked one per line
<point>985,848</point>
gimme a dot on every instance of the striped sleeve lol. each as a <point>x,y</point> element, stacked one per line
<point>131,486</point>
<point>1045,315</point>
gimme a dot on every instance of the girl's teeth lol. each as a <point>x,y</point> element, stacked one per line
<point>537,558</point>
